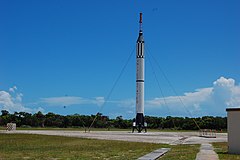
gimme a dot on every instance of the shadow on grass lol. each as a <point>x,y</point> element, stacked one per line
<point>222,153</point>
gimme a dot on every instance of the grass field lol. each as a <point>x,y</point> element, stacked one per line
<point>23,146</point>
<point>222,150</point>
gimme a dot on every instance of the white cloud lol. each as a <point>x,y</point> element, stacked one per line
<point>12,102</point>
<point>13,89</point>
<point>72,100</point>
<point>126,103</point>
<point>19,97</point>
<point>189,98</point>
<point>99,101</point>
<point>205,101</point>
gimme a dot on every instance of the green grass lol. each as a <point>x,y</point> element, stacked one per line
<point>25,146</point>
<point>182,152</point>
<point>222,150</point>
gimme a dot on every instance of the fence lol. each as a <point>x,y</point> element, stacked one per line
<point>208,133</point>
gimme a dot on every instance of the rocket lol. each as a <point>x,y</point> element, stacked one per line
<point>139,124</point>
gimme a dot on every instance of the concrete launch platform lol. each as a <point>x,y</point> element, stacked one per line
<point>172,138</point>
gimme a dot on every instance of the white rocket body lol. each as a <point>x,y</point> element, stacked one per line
<point>139,122</point>
<point>140,74</point>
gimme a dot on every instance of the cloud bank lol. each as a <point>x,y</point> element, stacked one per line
<point>12,102</point>
<point>67,101</point>
<point>204,101</point>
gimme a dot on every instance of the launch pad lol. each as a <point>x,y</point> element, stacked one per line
<point>141,125</point>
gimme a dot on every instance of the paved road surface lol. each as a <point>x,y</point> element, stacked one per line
<point>207,153</point>
<point>150,137</point>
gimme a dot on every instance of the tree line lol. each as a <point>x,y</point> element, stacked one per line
<point>24,119</point>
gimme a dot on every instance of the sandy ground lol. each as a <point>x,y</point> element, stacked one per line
<point>150,137</point>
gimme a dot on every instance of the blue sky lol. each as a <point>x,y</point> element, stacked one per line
<point>69,53</point>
